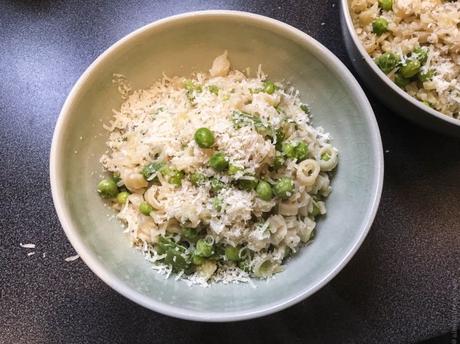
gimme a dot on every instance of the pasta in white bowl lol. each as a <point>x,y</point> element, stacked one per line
<point>220,177</point>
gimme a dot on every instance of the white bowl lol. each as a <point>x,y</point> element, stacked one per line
<point>179,45</point>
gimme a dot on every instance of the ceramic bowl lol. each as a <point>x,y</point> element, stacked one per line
<point>180,45</point>
<point>385,89</point>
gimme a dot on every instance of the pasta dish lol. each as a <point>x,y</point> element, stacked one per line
<point>416,43</point>
<point>220,177</point>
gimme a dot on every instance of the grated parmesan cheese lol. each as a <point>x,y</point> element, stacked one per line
<point>159,123</point>
<point>27,245</point>
<point>72,258</point>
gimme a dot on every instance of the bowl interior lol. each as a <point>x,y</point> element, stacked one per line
<point>181,46</point>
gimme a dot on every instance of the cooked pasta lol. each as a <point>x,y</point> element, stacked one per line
<point>417,44</point>
<point>219,177</point>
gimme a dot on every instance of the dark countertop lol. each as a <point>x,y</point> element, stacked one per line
<point>402,285</point>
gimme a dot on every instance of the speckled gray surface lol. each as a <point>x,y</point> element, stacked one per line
<point>400,287</point>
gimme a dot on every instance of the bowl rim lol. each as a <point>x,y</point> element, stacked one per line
<point>370,62</point>
<point>332,62</point>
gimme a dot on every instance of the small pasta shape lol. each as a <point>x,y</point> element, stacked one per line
<point>220,65</point>
<point>367,16</point>
<point>331,162</point>
<point>189,213</point>
<point>288,208</point>
<point>303,211</point>
<point>265,267</point>
<point>135,182</point>
<point>322,207</point>
<point>291,239</point>
<point>304,199</point>
<point>135,200</point>
<point>147,230</point>
<point>322,185</point>
<point>305,229</point>
<point>358,5</point>
<point>151,197</point>
<point>291,222</point>
<point>278,228</point>
<point>307,172</point>
<point>279,253</point>
<point>207,269</point>
<point>172,227</point>
<point>261,206</point>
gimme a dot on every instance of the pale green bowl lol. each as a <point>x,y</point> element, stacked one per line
<point>178,46</point>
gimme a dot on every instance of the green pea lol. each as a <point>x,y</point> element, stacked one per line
<point>289,150</point>
<point>217,203</point>
<point>190,234</point>
<point>203,249</point>
<point>204,138</point>
<point>218,162</point>
<point>197,178</point>
<point>386,5</point>
<point>107,188</point>
<point>387,62</point>
<point>232,169</point>
<point>423,77</point>
<point>246,184</point>
<point>175,177</point>
<point>264,190</point>
<point>197,260</point>
<point>232,253</point>
<point>301,151</point>
<point>150,171</point>
<point>410,69</point>
<point>278,161</point>
<point>283,188</point>
<point>122,197</point>
<point>145,208</point>
<point>305,108</point>
<point>269,87</point>
<point>421,55</point>
<point>216,185</point>
<point>213,89</point>
<point>325,156</point>
<point>379,26</point>
<point>401,81</point>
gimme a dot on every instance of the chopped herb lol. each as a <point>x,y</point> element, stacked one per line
<point>305,108</point>
<point>213,89</point>
<point>150,171</point>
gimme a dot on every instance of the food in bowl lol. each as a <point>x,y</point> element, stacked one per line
<point>219,177</point>
<point>417,45</point>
